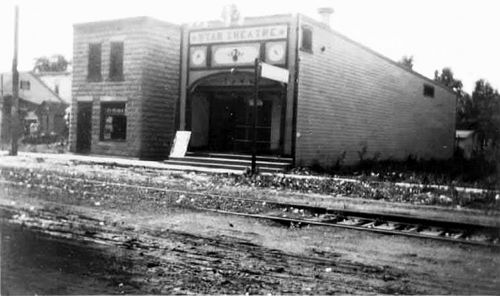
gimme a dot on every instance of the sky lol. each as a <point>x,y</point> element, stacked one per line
<point>460,34</point>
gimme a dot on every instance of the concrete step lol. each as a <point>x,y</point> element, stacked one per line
<point>215,165</point>
<point>239,156</point>
<point>269,164</point>
<point>232,161</point>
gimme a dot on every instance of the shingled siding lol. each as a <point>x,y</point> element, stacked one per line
<point>160,83</point>
<point>352,100</point>
<point>144,64</point>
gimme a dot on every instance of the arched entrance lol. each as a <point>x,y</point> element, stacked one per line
<point>219,114</point>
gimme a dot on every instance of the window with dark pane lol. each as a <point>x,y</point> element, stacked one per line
<point>25,85</point>
<point>116,62</point>
<point>306,43</point>
<point>428,91</point>
<point>113,122</point>
<point>94,66</point>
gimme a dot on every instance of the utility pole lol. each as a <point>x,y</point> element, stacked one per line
<point>15,89</point>
<point>2,104</point>
<point>254,123</point>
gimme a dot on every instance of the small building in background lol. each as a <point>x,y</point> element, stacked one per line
<point>125,87</point>
<point>58,82</point>
<point>39,106</point>
<point>467,143</point>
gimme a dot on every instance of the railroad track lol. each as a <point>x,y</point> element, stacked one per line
<point>387,224</point>
<point>299,215</point>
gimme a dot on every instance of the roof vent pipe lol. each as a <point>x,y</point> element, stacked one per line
<point>325,13</point>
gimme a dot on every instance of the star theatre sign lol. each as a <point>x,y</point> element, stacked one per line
<point>238,46</point>
<point>239,34</point>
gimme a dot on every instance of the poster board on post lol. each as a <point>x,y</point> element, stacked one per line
<point>180,144</point>
<point>274,73</point>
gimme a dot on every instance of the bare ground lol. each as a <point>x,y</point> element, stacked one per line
<point>134,244</point>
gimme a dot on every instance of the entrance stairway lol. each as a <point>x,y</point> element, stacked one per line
<point>265,164</point>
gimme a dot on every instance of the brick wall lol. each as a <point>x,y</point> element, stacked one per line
<point>146,90</point>
<point>351,99</point>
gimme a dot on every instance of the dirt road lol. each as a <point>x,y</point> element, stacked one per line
<point>108,242</point>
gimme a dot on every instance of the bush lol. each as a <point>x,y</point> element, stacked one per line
<point>43,139</point>
<point>480,171</point>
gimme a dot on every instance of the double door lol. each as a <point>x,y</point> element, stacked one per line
<point>231,123</point>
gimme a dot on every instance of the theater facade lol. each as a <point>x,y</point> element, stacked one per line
<point>343,101</point>
<point>217,88</point>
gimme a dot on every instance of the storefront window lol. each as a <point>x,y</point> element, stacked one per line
<point>113,122</point>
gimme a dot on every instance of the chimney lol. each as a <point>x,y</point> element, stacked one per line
<point>325,13</point>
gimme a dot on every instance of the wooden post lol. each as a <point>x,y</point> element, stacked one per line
<point>2,105</point>
<point>254,123</point>
<point>15,89</point>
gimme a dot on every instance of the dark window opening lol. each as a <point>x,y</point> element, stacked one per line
<point>113,122</point>
<point>94,66</point>
<point>25,85</point>
<point>428,91</point>
<point>306,41</point>
<point>116,62</point>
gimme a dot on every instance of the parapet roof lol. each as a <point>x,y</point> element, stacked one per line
<point>124,21</point>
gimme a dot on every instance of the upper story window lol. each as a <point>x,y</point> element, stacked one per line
<point>116,61</point>
<point>94,63</point>
<point>306,40</point>
<point>25,84</point>
<point>428,91</point>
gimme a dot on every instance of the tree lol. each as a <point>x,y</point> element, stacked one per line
<point>447,79</point>
<point>56,63</point>
<point>42,64</point>
<point>407,62</point>
<point>464,115</point>
<point>486,112</point>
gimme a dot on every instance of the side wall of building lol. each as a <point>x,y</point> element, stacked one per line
<point>60,81</point>
<point>354,104</point>
<point>161,75</point>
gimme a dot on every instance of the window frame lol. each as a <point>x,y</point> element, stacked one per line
<point>429,91</point>
<point>116,60</point>
<point>309,29</point>
<point>94,66</point>
<point>103,118</point>
<point>26,83</point>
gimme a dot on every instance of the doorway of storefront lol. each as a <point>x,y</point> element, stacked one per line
<point>221,122</point>
<point>231,119</point>
<point>83,127</point>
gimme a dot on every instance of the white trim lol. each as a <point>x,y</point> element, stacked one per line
<point>117,38</point>
<point>84,99</point>
<point>113,99</point>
